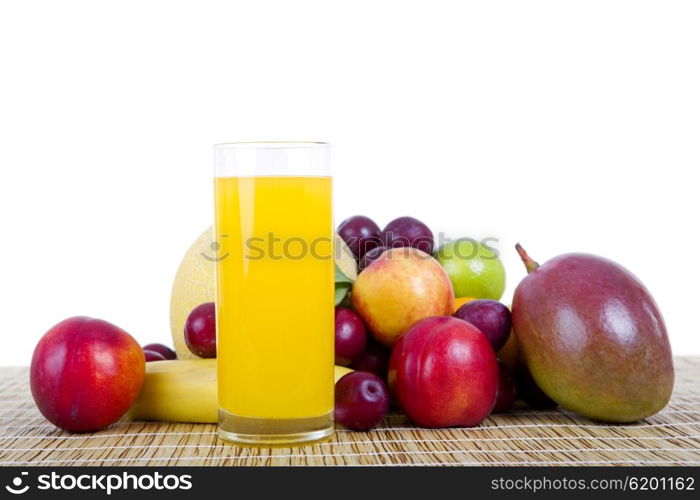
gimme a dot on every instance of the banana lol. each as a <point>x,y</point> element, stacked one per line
<point>183,390</point>
<point>340,371</point>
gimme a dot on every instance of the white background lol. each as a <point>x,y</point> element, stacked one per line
<point>568,126</point>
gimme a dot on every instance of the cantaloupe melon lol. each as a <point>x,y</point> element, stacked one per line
<point>195,283</point>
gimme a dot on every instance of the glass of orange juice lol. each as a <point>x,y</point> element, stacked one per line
<point>274,292</point>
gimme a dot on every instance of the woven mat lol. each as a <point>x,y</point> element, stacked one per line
<point>521,437</point>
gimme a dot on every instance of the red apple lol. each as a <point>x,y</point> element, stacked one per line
<point>86,373</point>
<point>444,373</point>
<point>401,287</point>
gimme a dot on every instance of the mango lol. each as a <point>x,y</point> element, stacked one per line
<point>593,338</point>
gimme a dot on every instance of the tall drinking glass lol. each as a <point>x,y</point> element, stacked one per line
<point>274,292</point>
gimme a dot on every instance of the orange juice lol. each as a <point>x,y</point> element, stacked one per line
<point>275,341</point>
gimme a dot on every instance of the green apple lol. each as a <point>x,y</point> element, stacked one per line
<point>474,269</point>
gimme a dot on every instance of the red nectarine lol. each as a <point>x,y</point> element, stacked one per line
<point>86,373</point>
<point>444,373</point>
<point>402,286</point>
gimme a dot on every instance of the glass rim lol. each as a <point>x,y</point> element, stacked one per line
<point>272,145</point>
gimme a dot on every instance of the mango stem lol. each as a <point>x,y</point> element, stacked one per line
<point>530,264</point>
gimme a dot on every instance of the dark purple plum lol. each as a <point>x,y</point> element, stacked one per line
<point>527,390</point>
<point>505,397</point>
<point>200,330</point>
<point>374,359</point>
<point>361,401</point>
<point>360,233</point>
<point>371,255</point>
<point>491,317</point>
<point>408,232</point>
<point>153,356</point>
<point>350,336</point>
<point>161,349</point>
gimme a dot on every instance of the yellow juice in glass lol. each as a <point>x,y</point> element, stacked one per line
<point>275,314</point>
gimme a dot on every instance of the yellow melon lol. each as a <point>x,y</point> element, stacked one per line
<point>193,285</point>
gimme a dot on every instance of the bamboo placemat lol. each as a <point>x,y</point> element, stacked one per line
<point>521,437</point>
